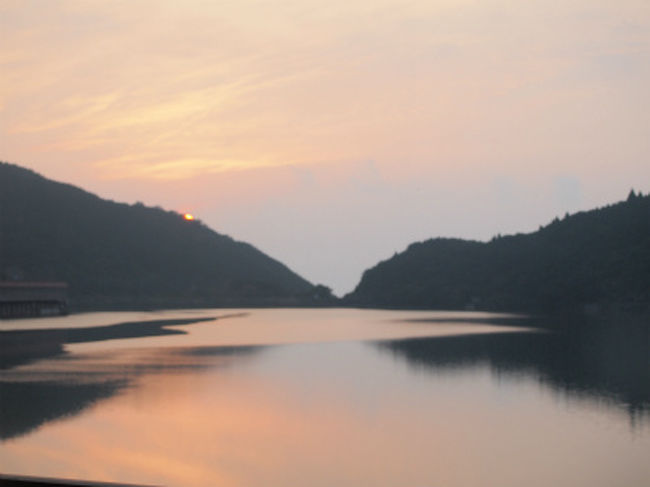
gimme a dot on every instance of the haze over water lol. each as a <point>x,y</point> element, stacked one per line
<point>331,397</point>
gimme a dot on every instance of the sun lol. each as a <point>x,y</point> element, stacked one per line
<point>188,216</point>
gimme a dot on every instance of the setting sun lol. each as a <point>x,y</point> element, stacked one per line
<point>188,216</point>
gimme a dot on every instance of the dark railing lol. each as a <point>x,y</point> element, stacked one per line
<point>28,299</point>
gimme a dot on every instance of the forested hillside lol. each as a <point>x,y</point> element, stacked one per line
<point>115,254</point>
<point>586,261</point>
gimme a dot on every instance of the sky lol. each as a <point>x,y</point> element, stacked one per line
<point>330,135</point>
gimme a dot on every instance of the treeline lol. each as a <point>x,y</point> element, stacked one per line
<point>119,255</point>
<point>586,261</point>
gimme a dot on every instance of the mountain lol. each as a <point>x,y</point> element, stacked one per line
<point>119,255</point>
<point>586,261</point>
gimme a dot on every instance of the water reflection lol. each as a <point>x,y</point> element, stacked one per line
<point>42,383</point>
<point>339,414</point>
<point>607,363</point>
<point>49,390</point>
<point>25,406</point>
<point>344,409</point>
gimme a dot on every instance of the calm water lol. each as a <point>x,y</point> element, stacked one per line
<point>327,397</point>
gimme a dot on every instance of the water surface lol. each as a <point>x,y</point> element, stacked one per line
<point>329,397</point>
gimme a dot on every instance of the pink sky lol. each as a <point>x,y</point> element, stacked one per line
<point>332,134</point>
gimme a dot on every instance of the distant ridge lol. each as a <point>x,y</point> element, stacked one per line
<point>587,261</point>
<point>119,255</point>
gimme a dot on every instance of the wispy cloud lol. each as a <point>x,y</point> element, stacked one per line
<point>295,82</point>
<point>150,167</point>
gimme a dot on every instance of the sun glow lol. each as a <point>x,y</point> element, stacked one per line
<point>188,216</point>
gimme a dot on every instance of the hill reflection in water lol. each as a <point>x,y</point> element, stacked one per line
<point>607,363</point>
<point>67,386</point>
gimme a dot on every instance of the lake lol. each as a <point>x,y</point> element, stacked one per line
<point>324,397</point>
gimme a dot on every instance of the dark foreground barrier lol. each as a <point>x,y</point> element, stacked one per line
<point>21,481</point>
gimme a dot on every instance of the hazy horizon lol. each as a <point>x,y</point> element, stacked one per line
<point>330,137</point>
